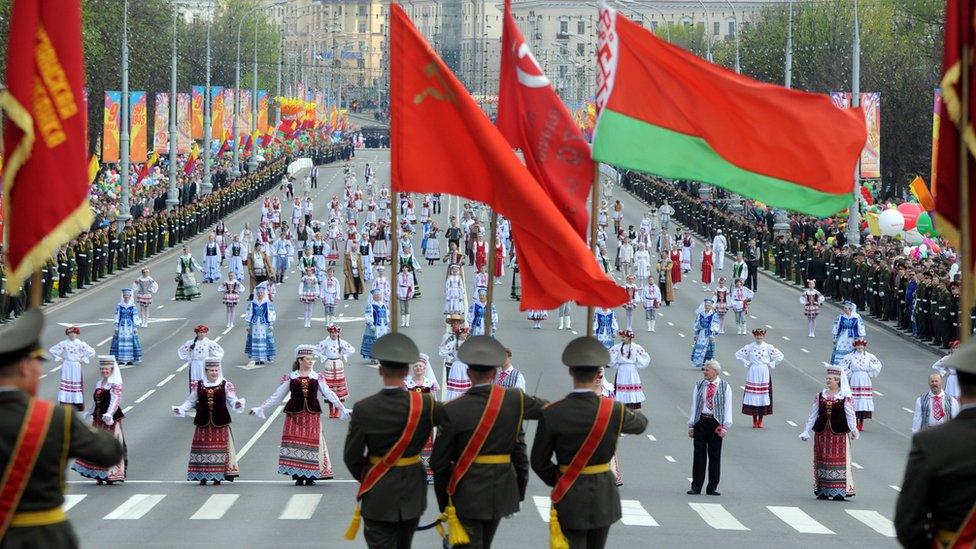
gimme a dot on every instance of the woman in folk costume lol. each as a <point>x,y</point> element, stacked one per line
<point>477,313</point>
<point>642,262</point>
<point>722,300</point>
<point>950,381</point>
<point>848,327</point>
<point>860,366</point>
<point>377,317</point>
<point>329,285</point>
<point>664,281</point>
<point>740,297</point>
<point>186,282</point>
<point>481,280</point>
<point>705,329</point>
<point>236,253</point>
<point>650,298</point>
<point>409,215</point>
<point>381,242</point>
<point>211,259</point>
<point>126,347</point>
<point>335,352</point>
<point>625,256</point>
<point>303,454</point>
<point>334,240</point>
<point>195,351</point>
<point>260,317</point>
<point>422,380</point>
<point>404,290</point>
<point>106,413</point>
<point>758,358</point>
<point>308,293</point>
<point>351,237</point>
<point>633,300</point>
<point>144,287</point>
<point>480,249</point>
<point>275,216</point>
<point>605,326</point>
<point>230,295</point>
<point>212,453</point>
<point>499,261</point>
<point>811,299</point>
<point>432,251</point>
<point>266,210</point>
<point>319,250</point>
<point>370,216</point>
<point>707,263</point>
<point>675,257</point>
<point>537,316</point>
<point>601,258</point>
<point>220,232</point>
<point>296,210</point>
<point>458,381</point>
<point>834,425</point>
<point>687,247</point>
<point>628,357</point>
<point>366,255</point>
<point>454,292</point>
<point>71,352</point>
<point>407,257</point>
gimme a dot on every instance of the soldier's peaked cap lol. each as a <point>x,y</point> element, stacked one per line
<point>483,351</point>
<point>963,359</point>
<point>22,338</point>
<point>396,348</point>
<point>587,352</point>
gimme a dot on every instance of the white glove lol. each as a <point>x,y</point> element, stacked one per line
<point>804,436</point>
<point>177,412</point>
<point>107,419</point>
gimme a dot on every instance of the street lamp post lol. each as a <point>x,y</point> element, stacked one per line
<point>172,197</point>
<point>252,164</point>
<point>708,36</point>
<point>667,26</point>
<point>207,186</point>
<point>789,49</point>
<point>124,199</point>
<point>281,60</point>
<point>236,171</point>
<point>854,220</point>
<point>735,19</point>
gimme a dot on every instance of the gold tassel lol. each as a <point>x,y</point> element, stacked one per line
<point>357,518</point>
<point>556,538</point>
<point>457,535</point>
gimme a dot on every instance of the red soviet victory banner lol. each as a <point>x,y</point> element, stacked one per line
<point>46,139</point>
<point>443,143</point>
<point>533,118</point>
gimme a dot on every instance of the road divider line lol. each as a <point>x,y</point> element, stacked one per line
<point>260,431</point>
<point>43,376</point>
<point>879,393</point>
<point>135,507</point>
<point>300,507</point>
<point>104,341</point>
<point>145,396</point>
<point>167,378</point>
<point>786,338</point>
<point>895,488</point>
<point>216,339</point>
<point>160,307</point>
<point>873,520</point>
<point>215,507</point>
<point>126,409</point>
<point>726,373</point>
<point>856,465</point>
<point>226,331</point>
<point>670,323</point>
<point>651,438</point>
<point>183,367</point>
<point>790,423</point>
<point>681,334</point>
<point>804,350</point>
<point>799,520</point>
<point>669,458</point>
<point>767,325</point>
<point>55,369</point>
<point>909,410</point>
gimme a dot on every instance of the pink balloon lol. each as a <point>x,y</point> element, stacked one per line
<point>910,211</point>
<point>935,249</point>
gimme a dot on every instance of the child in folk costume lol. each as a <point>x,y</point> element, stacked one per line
<point>687,247</point>
<point>707,263</point>
<point>307,261</point>
<point>628,357</point>
<point>860,367</point>
<point>758,358</point>
<point>721,298</point>
<point>454,293</point>
<point>650,298</point>
<point>71,352</point>
<point>329,287</point>
<point>319,249</point>
<point>335,352</point>
<point>705,329</point>
<point>144,287</point>
<point>478,311</point>
<point>950,379</point>
<point>834,426</point>
<point>605,326</point>
<point>186,282</point>
<point>740,297</point>
<point>231,290</point>
<point>675,258</point>
<point>303,454</point>
<point>480,254</point>
<point>633,300</point>
<point>260,317</point>
<point>377,317</point>
<point>381,243</point>
<point>664,280</point>
<point>565,320</point>
<point>404,293</point>
<point>308,293</point>
<point>106,413</point>
<point>458,381</point>
<point>197,350</point>
<point>432,252</point>
<point>211,260</point>
<point>481,280</point>
<point>126,347</point>
<point>811,299</point>
<point>642,262</point>
<point>536,316</point>
<point>212,453</point>
<point>422,380</point>
<point>848,327</point>
<point>236,253</point>
<point>381,283</point>
<point>407,258</point>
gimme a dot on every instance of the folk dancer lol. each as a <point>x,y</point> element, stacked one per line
<point>508,376</point>
<point>432,250</point>
<point>260,318</point>
<point>236,253</point>
<point>212,453</point>
<point>144,287</point>
<point>705,328</point>
<point>811,299</point>
<point>934,407</point>
<point>197,350</point>
<point>740,271</point>
<point>664,281</point>
<point>186,282</point>
<point>625,255</point>
<point>719,245</point>
<point>352,272</point>
<point>740,298</point>
<point>860,367</point>
<point>642,262</point>
<point>581,431</point>
<point>454,291</point>
<point>477,313</point>
<point>675,258</point>
<point>377,318</point>
<point>758,358</point>
<point>834,425</point>
<point>405,287</point>
<point>106,414</point>
<point>721,297</point>
<point>408,259</point>
<point>633,300</point>
<point>565,320</point>
<point>259,267</point>
<point>650,298</point>
<point>458,381</point>
<point>334,352</point>
<point>303,454</point>
<point>308,293</point>
<point>282,250</point>
<point>848,327</point>
<point>382,283</point>
<point>231,290</point>
<point>950,379</point>
<point>605,326</point>
<point>211,260</point>
<point>329,286</point>
<point>707,264</point>
<point>628,357</point>
<point>666,211</point>
<point>687,247</point>
<point>307,260</point>
<point>708,425</point>
<point>126,347</point>
<point>480,281</point>
<point>536,317</point>
<point>422,380</point>
<point>71,352</point>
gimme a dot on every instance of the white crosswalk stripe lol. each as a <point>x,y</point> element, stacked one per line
<point>301,507</point>
<point>70,500</point>
<point>874,520</point>
<point>717,516</point>
<point>634,514</point>
<point>135,507</point>
<point>215,507</point>
<point>542,505</point>
<point>798,520</point>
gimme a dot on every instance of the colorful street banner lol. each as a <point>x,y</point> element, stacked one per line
<point>229,112</point>
<point>320,112</point>
<point>138,127</point>
<point>217,108</point>
<point>936,119</point>
<point>111,127</point>
<point>161,124</point>
<point>871,155</point>
<point>263,111</point>
<point>196,112</point>
<point>183,130</point>
<point>245,116</point>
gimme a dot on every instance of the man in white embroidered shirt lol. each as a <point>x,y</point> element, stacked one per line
<point>710,420</point>
<point>934,407</point>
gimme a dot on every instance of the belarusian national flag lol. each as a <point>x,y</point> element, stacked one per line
<point>665,111</point>
<point>191,162</point>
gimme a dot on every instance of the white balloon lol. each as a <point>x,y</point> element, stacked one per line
<point>923,248</point>
<point>906,250</point>
<point>913,237</point>
<point>891,222</point>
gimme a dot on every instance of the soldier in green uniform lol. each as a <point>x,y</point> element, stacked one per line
<point>383,444</point>
<point>36,439</point>
<point>591,503</point>
<point>481,468</point>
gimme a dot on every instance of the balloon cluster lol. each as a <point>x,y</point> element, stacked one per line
<point>293,107</point>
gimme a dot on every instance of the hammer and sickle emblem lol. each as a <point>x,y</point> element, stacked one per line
<point>443,93</point>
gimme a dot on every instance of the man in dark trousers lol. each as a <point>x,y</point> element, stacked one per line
<point>480,465</point>
<point>937,503</point>
<point>36,439</point>
<point>585,496</point>
<point>386,434</point>
<point>710,420</point>
<point>314,175</point>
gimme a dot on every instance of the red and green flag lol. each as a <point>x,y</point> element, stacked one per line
<point>665,111</point>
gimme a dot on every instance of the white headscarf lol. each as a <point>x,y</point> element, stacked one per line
<point>428,371</point>
<point>845,385</point>
<point>116,376</point>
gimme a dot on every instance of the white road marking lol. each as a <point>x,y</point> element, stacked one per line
<point>879,393</point>
<point>742,387</point>
<point>104,341</point>
<point>55,369</point>
<point>126,409</point>
<point>218,338</point>
<point>798,520</point>
<point>574,332</point>
<point>909,410</point>
<point>651,438</point>
<point>786,338</point>
<point>895,488</point>
<point>690,479</point>
<point>542,505</point>
<point>804,350</point>
<point>767,325</point>
<point>145,396</point>
<point>790,423</point>
<point>260,431</point>
<point>301,506</point>
<point>670,323</point>
<point>135,507</point>
<point>752,317</point>
<point>856,465</point>
<point>43,376</point>
<point>634,514</point>
<point>716,516</point>
<point>167,378</point>
<point>226,331</point>
<point>669,458</point>
<point>874,520</point>
<point>70,500</point>
<point>183,367</point>
<point>681,334</point>
<point>252,365</point>
<point>726,373</point>
<point>161,306</point>
<point>215,507</point>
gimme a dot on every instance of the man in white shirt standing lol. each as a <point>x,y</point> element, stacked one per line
<point>508,376</point>
<point>934,407</point>
<point>719,245</point>
<point>710,420</point>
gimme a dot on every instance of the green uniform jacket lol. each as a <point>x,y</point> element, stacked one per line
<point>377,423</point>
<point>487,491</point>
<point>593,501</point>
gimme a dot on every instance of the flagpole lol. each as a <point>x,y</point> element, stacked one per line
<point>492,260</point>
<point>594,211</point>
<point>394,259</point>
<point>965,240</point>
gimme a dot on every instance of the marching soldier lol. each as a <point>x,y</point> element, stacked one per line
<point>36,438</point>
<point>582,431</point>
<point>480,464</point>
<point>383,444</point>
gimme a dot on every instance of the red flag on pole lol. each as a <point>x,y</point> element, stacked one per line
<point>147,167</point>
<point>443,143</point>
<point>46,137</point>
<point>191,161</point>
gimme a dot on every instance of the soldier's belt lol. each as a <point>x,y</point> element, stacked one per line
<point>493,459</point>
<point>402,462</point>
<point>38,518</point>
<point>590,469</point>
<point>944,537</point>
